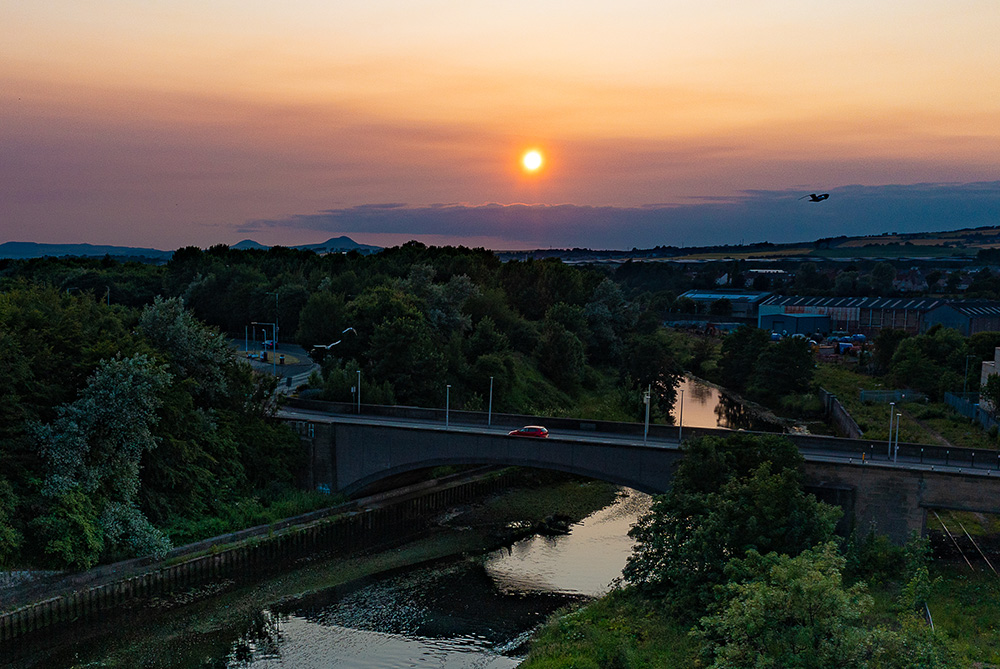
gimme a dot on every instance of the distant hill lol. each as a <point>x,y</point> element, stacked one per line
<point>340,245</point>
<point>333,245</point>
<point>23,250</point>
<point>248,244</point>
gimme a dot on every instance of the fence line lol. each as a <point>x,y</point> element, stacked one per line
<point>886,396</point>
<point>968,405</point>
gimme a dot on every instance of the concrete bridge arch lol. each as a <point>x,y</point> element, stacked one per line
<point>892,499</point>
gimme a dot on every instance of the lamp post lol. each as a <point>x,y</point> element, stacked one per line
<point>274,334</point>
<point>892,414</point>
<point>965,386</point>
<point>895,452</point>
<point>645,399</point>
<point>489,414</point>
<point>359,392</point>
<point>447,403</point>
<point>680,421</point>
<point>275,293</point>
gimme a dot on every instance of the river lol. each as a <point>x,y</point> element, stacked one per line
<point>703,405</point>
<point>475,611</point>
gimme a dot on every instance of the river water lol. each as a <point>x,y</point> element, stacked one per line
<point>469,612</point>
<point>705,406</point>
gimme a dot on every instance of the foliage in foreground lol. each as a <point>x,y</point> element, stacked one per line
<point>120,428</point>
<point>699,561</point>
<point>728,496</point>
<point>786,611</point>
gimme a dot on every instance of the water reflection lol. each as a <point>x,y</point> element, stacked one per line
<point>474,612</point>
<point>707,406</point>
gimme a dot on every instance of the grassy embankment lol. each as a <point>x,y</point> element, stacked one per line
<point>930,423</point>
<point>623,630</point>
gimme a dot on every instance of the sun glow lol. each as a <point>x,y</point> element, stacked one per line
<point>532,160</point>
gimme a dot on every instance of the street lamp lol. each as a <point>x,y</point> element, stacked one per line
<point>274,335</point>
<point>645,399</point>
<point>892,413</point>
<point>275,293</point>
<point>447,403</point>
<point>896,451</point>
<point>359,392</point>
<point>680,421</point>
<point>965,386</point>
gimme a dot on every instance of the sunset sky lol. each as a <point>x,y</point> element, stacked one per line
<point>660,123</point>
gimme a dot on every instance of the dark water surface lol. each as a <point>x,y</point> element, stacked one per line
<point>468,612</point>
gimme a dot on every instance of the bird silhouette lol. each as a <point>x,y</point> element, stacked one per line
<point>814,197</point>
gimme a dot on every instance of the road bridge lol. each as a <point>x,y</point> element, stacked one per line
<point>886,491</point>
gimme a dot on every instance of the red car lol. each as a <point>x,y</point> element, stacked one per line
<point>530,431</point>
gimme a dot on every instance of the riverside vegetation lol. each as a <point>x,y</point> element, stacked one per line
<point>736,567</point>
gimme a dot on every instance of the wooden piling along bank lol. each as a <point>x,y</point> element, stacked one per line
<point>245,561</point>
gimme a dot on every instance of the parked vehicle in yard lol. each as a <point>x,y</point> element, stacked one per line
<point>530,431</point>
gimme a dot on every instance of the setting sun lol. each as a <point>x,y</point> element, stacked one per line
<point>532,160</point>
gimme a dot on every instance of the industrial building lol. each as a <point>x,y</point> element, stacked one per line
<point>857,315</point>
<point>745,303</point>
<point>968,317</point>
<point>791,324</point>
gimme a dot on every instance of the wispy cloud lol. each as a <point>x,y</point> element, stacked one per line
<point>750,216</point>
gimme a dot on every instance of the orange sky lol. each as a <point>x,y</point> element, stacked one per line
<point>124,122</point>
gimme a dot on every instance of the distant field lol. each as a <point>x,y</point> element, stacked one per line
<point>895,251</point>
<point>759,253</point>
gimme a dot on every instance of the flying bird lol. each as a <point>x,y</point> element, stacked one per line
<point>814,197</point>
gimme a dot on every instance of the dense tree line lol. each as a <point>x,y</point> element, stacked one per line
<point>122,427</point>
<point>420,318</point>
<point>739,550</point>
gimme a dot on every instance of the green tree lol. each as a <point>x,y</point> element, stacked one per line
<point>787,612</point>
<point>886,343</point>
<point>984,344</point>
<point>560,355</point>
<point>933,362</point>
<point>783,611</point>
<point>883,274</point>
<point>322,319</point>
<point>67,533</point>
<point>782,368</point>
<point>650,362</point>
<point>95,446</point>
<point>721,307</point>
<point>740,350</point>
<point>728,497</point>
<point>10,537</point>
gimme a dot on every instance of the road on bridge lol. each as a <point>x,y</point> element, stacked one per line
<point>866,452</point>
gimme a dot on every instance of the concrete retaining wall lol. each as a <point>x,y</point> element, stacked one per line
<point>248,561</point>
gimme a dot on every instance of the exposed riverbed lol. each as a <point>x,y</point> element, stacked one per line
<point>436,602</point>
